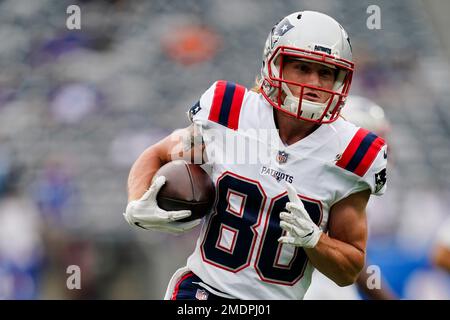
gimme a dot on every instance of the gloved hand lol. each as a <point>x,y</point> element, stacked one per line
<point>301,230</point>
<point>146,214</point>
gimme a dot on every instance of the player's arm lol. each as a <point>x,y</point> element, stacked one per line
<point>441,257</point>
<point>440,251</point>
<point>142,209</point>
<point>184,144</point>
<point>340,255</point>
<point>382,293</point>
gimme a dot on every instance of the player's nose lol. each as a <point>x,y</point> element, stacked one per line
<point>313,78</point>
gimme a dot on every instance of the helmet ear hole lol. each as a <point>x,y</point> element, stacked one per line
<point>299,16</point>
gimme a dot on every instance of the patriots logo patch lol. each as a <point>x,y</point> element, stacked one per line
<point>194,110</point>
<point>282,27</point>
<point>380,180</point>
<point>279,30</point>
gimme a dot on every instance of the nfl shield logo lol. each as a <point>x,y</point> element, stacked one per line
<point>201,294</point>
<point>282,157</point>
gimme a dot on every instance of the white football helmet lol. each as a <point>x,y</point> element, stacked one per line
<point>313,37</point>
<point>367,114</point>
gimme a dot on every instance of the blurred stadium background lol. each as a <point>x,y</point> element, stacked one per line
<point>77,107</point>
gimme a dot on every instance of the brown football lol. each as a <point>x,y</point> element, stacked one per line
<point>187,187</point>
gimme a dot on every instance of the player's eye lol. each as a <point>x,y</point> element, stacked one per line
<point>303,67</point>
<point>326,73</point>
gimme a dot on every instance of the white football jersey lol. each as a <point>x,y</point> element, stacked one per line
<point>237,251</point>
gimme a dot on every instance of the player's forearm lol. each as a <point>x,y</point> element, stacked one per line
<point>142,172</point>
<point>339,261</point>
<point>441,257</point>
<point>384,292</point>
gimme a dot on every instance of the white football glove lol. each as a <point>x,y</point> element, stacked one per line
<point>301,230</point>
<point>146,214</point>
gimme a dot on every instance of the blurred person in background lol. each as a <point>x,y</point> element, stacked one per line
<point>305,78</point>
<point>21,244</point>
<point>440,255</point>
<point>366,114</point>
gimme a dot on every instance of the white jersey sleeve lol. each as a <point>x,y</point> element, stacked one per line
<point>376,177</point>
<point>220,104</point>
<point>199,112</point>
<point>365,159</point>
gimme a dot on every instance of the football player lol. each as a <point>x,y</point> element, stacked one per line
<point>301,204</point>
<point>441,249</point>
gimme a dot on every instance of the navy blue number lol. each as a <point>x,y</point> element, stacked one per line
<point>236,254</point>
<point>240,226</point>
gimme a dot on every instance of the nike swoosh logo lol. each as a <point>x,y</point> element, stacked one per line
<point>139,225</point>
<point>308,234</point>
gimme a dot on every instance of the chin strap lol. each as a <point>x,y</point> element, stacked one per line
<point>310,109</point>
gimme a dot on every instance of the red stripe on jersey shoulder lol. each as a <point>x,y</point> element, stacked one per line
<point>352,147</point>
<point>236,105</point>
<point>177,286</point>
<point>370,156</point>
<point>227,103</point>
<point>219,92</point>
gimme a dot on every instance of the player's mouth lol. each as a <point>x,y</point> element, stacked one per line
<point>311,96</point>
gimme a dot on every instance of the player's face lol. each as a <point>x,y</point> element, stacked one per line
<point>309,73</point>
